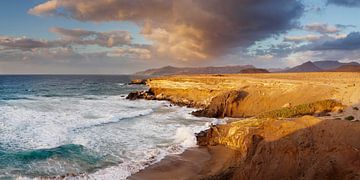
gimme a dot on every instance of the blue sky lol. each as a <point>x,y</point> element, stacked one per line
<point>16,21</point>
<point>84,40</point>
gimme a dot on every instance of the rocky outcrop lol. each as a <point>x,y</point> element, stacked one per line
<point>138,81</point>
<point>305,148</point>
<point>224,105</point>
<point>141,95</point>
<point>249,95</point>
<point>279,141</point>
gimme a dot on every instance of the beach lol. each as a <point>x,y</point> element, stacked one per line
<point>293,126</point>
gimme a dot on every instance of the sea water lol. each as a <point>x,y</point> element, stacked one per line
<point>83,126</point>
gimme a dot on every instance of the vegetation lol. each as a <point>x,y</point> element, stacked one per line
<point>319,107</point>
<point>350,118</point>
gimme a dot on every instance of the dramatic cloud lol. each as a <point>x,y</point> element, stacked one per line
<point>69,37</point>
<point>62,55</point>
<point>133,53</point>
<point>348,3</point>
<point>350,42</point>
<point>322,28</point>
<point>84,37</point>
<point>297,58</point>
<point>23,43</point>
<point>188,29</point>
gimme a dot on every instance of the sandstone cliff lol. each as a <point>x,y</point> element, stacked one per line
<point>251,94</point>
<point>305,148</point>
<point>278,140</point>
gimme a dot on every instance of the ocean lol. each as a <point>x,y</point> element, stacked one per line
<point>62,125</point>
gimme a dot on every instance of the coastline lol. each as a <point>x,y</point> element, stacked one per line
<point>194,163</point>
<point>247,137</point>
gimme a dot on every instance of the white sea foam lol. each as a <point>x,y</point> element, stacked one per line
<point>133,133</point>
<point>185,137</point>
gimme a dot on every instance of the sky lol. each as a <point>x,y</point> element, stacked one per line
<point>125,36</point>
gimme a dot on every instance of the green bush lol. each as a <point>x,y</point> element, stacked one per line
<point>350,118</point>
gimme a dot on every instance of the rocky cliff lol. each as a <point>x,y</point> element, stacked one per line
<point>281,138</point>
<point>304,148</point>
<point>251,94</point>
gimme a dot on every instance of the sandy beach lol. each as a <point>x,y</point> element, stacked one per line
<point>194,163</point>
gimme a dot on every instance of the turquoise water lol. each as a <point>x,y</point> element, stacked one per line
<point>53,126</point>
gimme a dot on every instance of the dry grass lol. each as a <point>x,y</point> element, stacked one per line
<point>319,107</point>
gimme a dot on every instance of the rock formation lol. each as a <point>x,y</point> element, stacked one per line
<point>305,148</point>
<point>138,81</point>
<point>251,94</point>
<point>290,132</point>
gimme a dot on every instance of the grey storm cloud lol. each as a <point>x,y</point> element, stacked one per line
<point>68,38</point>
<point>84,37</point>
<point>348,3</point>
<point>350,42</point>
<point>25,44</point>
<point>188,29</point>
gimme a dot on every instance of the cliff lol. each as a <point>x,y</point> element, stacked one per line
<point>248,95</point>
<point>297,126</point>
<point>304,148</point>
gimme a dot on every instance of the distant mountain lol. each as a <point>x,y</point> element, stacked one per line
<point>348,68</point>
<point>275,70</point>
<point>319,66</point>
<point>306,67</point>
<point>170,70</point>
<point>253,70</point>
<point>330,65</point>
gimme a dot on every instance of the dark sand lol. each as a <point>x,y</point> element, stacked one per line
<point>194,163</point>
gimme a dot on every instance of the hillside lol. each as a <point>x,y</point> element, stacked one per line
<point>170,70</point>
<point>306,67</point>
<point>253,70</point>
<point>317,66</point>
<point>348,68</point>
<point>325,66</point>
<point>330,65</point>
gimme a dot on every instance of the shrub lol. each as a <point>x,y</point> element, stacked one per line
<point>350,118</point>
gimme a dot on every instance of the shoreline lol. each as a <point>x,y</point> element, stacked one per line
<point>273,108</point>
<point>194,163</point>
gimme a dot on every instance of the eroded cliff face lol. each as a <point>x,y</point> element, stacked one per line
<point>250,95</point>
<point>279,140</point>
<point>305,148</point>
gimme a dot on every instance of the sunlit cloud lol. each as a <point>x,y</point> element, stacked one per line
<point>322,28</point>
<point>310,37</point>
<point>187,30</point>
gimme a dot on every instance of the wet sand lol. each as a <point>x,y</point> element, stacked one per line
<point>194,163</point>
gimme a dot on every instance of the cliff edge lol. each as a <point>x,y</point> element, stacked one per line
<point>248,95</point>
<point>296,126</point>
